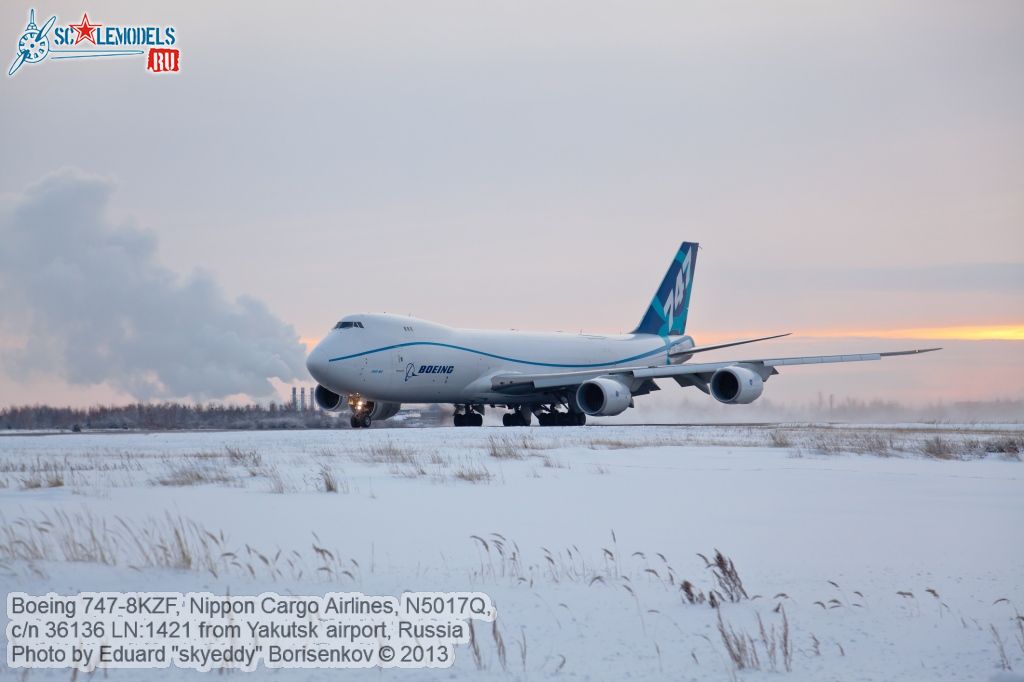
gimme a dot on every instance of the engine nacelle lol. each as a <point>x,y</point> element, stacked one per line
<point>736,385</point>
<point>380,410</point>
<point>327,400</point>
<point>603,397</point>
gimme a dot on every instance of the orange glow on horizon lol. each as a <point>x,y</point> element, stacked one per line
<point>997,332</point>
<point>1003,332</point>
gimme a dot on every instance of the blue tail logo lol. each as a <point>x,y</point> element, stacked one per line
<point>666,315</point>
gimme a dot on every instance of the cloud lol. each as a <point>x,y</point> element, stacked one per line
<point>92,305</point>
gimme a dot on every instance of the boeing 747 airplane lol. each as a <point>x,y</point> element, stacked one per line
<point>372,363</point>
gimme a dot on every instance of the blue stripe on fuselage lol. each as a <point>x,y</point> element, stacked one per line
<point>660,349</point>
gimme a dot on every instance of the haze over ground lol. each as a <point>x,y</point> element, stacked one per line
<point>853,173</point>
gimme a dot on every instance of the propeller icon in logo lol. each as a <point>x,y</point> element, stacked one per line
<point>33,45</point>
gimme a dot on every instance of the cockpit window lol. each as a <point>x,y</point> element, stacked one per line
<point>346,324</point>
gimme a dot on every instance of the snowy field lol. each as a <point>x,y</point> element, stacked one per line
<point>864,552</point>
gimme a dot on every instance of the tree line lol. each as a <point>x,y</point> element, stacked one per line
<point>167,416</point>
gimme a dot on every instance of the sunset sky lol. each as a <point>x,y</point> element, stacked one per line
<point>853,171</point>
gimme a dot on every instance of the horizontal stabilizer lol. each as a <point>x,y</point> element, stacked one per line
<point>729,344</point>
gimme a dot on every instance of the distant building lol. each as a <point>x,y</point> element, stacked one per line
<point>302,399</point>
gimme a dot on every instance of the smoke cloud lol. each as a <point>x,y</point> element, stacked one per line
<point>86,300</point>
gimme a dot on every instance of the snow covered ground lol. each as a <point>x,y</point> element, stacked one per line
<point>895,552</point>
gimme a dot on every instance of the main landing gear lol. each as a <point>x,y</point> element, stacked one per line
<point>556,418</point>
<point>520,417</point>
<point>468,416</point>
<point>551,417</point>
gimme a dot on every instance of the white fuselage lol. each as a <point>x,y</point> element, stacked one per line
<point>406,360</point>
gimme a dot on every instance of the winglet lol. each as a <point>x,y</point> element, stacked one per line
<point>908,352</point>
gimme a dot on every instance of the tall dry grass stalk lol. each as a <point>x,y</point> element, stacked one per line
<point>506,447</point>
<point>168,542</point>
<point>1004,660</point>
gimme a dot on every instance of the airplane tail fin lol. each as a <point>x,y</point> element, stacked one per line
<point>666,315</point>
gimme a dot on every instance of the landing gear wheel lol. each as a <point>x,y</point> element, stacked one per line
<point>364,421</point>
<point>459,419</point>
<point>354,422</point>
<point>581,419</point>
<point>476,420</point>
<point>517,418</point>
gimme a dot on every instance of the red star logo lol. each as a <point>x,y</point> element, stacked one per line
<point>85,30</point>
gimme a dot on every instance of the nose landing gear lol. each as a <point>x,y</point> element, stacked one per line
<point>361,409</point>
<point>360,421</point>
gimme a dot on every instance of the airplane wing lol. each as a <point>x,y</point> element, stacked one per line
<point>695,374</point>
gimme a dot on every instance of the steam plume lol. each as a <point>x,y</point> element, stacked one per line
<point>91,304</point>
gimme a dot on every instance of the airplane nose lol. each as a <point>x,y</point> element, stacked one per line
<point>317,362</point>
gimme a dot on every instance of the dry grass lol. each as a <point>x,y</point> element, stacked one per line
<point>387,453</point>
<point>550,462</point>
<point>861,443</point>
<point>329,481</point>
<point>51,479</point>
<point>726,576</point>
<point>682,438</point>
<point>739,646</point>
<point>886,442</point>
<point>1006,445</point>
<point>779,439</point>
<point>275,482</point>
<point>246,458</point>
<point>1004,660</point>
<point>408,470</point>
<point>191,473</point>
<point>471,472</point>
<point>938,448</point>
<point>170,542</point>
<point>499,645</point>
<point>506,447</point>
<point>612,444</point>
<point>742,649</point>
<point>474,647</point>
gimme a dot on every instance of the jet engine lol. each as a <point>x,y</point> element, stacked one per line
<point>381,410</point>
<point>736,385</point>
<point>603,397</point>
<point>327,400</point>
